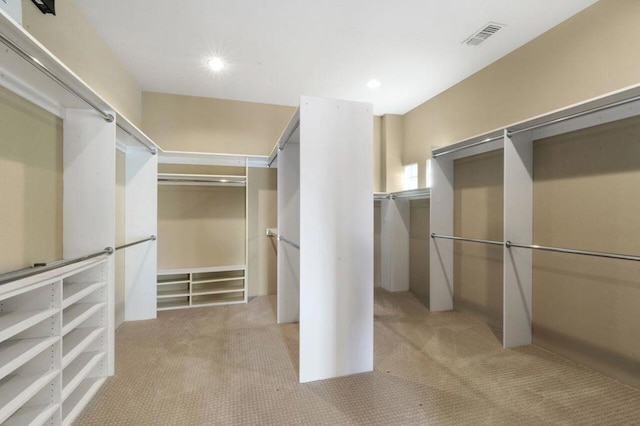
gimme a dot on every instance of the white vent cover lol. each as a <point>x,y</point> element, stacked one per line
<point>480,36</point>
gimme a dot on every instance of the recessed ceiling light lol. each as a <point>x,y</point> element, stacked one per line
<point>216,64</point>
<point>373,83</point>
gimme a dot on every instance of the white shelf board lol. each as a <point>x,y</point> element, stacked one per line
<point>236,301</point>
<point>201,179</point>
<point>220,291</point>
<point>202,270</point>
<point>127,132</point>
<point>160,283</point>
<point>16,390</point>
<point>212,159</point>
<point>172,293</point>
<point>78,399</point>
<point>78,370</point>
<point>77,314</point>
<point>15,353</point>
<point>73,292</point>
<point>77,341</point>
<point>12,323</point>
<point>173,305</point>
<point>217,280</point>
<point>32,415</point>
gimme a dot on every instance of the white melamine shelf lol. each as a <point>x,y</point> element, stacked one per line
<point>15,353</point>
<point>202,270</point>
<point>217,280</point>
<point>34,415</point>
<point>212,159</point>
<point>173,282</point>
<point>77,341</point>
<point>77,314</point>
<point>166,306</point>
<point>172,293</point>
<point>73,292</point>
<point>201,179</point>
<point>78,370</point>
<point>217,290</point>
<point>16,390</point>
<point>12,323</point>
<point>79,398</point>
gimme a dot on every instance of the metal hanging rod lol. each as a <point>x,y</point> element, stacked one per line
<point>509,244</point>
<point>460,148</point>
<point>151,149</point>
<point>284,142</point>
<point>270,233</point>
<point>37,64</point>
<point>39,268</point>
<point>472,240</point>
<point>151,238</point>
<point>575,115</point>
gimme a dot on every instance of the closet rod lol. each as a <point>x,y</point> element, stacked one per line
<point>285,140</point>
<point>575,115</point>
<point>151,149</point>
<point>509,244</point>
<point>37,64</point>
<point>473,240</point>
<point>39,268</point>
<point>460,148</point>
<point>270,233</point>
<point>151,238</point>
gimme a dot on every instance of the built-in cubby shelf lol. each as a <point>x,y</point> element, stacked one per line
<point>196,287</point>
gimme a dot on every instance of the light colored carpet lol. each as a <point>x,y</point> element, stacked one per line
<point>233,365</point>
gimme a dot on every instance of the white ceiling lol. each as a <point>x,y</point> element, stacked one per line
<point>278,50</point>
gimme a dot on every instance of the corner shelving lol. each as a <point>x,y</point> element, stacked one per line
<point>195,287</point>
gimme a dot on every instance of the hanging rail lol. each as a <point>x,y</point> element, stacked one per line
<point>39,268</point>
<point>285,139</point>
<point>151,149</point>
<point>38,65</point>
<point>509,244</point>
<point>151,238</point>
<point>511,132</point>
<point>472,240</point>
<point>278,237</point>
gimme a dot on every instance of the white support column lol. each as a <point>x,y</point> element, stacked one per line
<point>141,213</point>
<point>336,238</point>
<point>289,227</point>
<point>518,228</point>
<point>394,239</point>
<point>89,200</point>
<point>441,222</point>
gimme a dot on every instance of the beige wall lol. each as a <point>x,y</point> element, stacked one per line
<point>419,249</point>
<point>263,214</point>
<point>120,237</point>
<point>31,184</point>
<point>71,38</point>
<point>586,56</point>
<point>586,196</point>
<point>188,123</point>
<point>478,213</point>
<point>392,137</point>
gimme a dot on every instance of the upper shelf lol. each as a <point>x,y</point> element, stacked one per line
<point>291,134</point>
<point>211,159</point>
<point>411,194</point>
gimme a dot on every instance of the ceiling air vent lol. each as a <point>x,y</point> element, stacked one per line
<point>480,36</point>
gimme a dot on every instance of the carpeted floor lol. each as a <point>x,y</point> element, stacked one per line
<point>233,365</point>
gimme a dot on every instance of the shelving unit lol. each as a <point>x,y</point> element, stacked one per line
<point>197,287</point>
<point>54,343</point>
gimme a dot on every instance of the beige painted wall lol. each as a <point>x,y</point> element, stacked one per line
<point>31,184</point>
<point>584,57</point>
<point>263,214</point>
<point>120,238</point>
<point>71,38</point>
<point>478,213</point>
<point>419,249</point>
<point>188,123</point>
<point>586,197</point>
<point>392,137</point>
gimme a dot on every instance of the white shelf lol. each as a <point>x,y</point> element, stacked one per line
<point>173,282</point>
<point>12,323</point>
<point>172,293</point>
<point>78,399</point>
<point>201,179</point>
<point>169,306</point>
<point>202,270</point>
<point>15,353</point>
<point>34,415</point>
<point>75,291</point>
<point>78,370</point>
<point>211,159</point>
<point>217,280</point>
<point>16,390</point>
<point>77,341</point>
<point>77,314</point>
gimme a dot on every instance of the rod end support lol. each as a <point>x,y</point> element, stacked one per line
<point>507,244</point>
<point>109,251</point>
